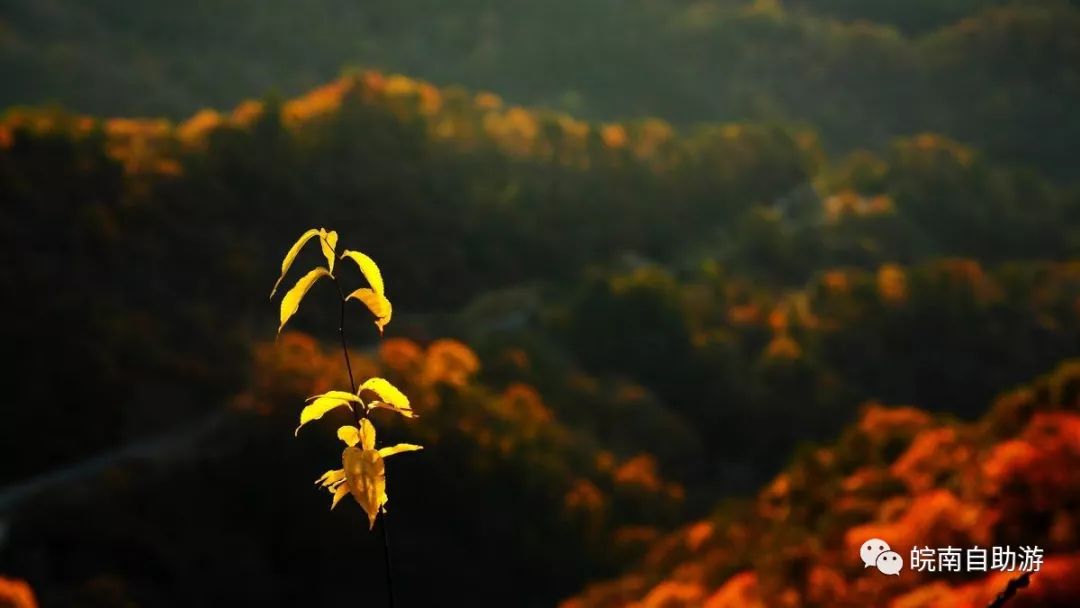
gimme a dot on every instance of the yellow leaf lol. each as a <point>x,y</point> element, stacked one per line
<point>339,493</point>
<point>368,268</point>
<point>328,241</point>
<point>291,255</point>
<point>349,434</point>
<point>367,434</point>
<point>365,476</point>
<point>334,481</point>
<point>399,448</point>
<point>322,404</point>
<point>346,395</point>
<point>387,406</point>
<point>388,394</point>
<point>376,303</point>
<point>291,302</point>
<point>331,477</point>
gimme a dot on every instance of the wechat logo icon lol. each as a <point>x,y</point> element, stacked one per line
<point>877,553</point>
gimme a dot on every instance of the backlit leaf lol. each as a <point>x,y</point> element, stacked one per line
<point>328,241</point>
<point>339,493</point>
<point>388,393</point>
<point>365,476</point>
<point>399,448</point>
<point>323,404</point>
<point>349,434</point>
<point>367,434</point>
<point>291,302</point>
<point>334,481</point>
<point>376,303</point>
<point>331,477</point>
<point>291,255</point>
<point>368,268</point>
<point>346,395</point>
<point>387,406</point>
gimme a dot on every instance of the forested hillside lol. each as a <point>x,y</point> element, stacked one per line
<point>764,239</point>
<point>901,474</point>
<point>608,328</point>
<point>999,75</point>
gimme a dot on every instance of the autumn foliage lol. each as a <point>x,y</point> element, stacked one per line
<point>16,593</point>
<point>603,332</point>
<point>899,474</point>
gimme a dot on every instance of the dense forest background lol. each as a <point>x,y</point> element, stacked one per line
<point>689,296</point>
<point>997,74</point>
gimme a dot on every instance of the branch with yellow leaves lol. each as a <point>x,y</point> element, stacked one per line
<point>363,470</point>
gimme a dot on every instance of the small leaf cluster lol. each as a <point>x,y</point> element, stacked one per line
<point>373,297</point>
<point>363,470</point>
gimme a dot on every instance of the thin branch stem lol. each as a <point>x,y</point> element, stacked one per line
<point>358,413</point>
<point>386,558</point>
<point>345,349</point>
<point>1011,588</point>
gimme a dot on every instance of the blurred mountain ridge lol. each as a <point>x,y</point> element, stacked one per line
<point>998,74</point>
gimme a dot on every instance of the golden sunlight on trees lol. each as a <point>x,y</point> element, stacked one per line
<point>892,283</point>
<point>15,593</point>
<point>899,474</point>
<point>649,318</point>
<point>449,361</point>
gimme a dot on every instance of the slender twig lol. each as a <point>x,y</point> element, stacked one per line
<point>386,558</point>
<point>358,413</point>
<point>1014,585</point>
<point>345,349</point>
